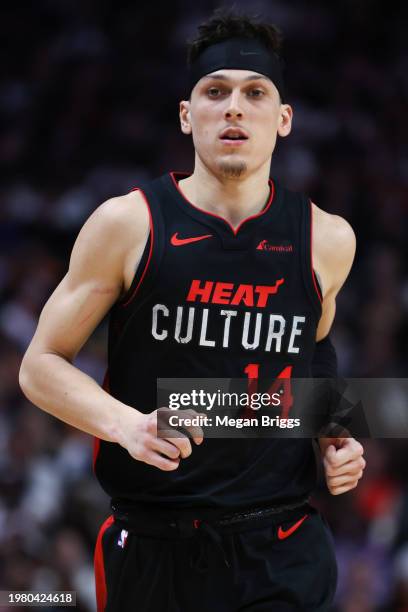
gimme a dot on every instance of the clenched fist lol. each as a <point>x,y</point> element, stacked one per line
<point>343,463</point>
<point>138,434</point>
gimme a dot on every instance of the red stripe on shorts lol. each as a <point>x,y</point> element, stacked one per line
<point>99,567</point>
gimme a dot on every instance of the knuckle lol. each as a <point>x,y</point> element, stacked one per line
<point>151,425</point>
<point>174,453</point>
<point>185,444</point>
<point>186,452</point>
<point>139,453</point>
<point>142,428</point>
<point>144,440</point>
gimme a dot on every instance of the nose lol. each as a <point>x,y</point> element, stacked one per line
<point>234,109</point>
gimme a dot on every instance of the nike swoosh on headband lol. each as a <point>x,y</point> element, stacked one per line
<point>248,52</point>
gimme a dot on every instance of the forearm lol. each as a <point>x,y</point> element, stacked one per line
<point>56,386</point>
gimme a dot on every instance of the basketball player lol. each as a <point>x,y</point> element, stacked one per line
<point>232,270</point>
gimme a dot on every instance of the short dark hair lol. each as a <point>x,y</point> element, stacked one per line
<point>226,23</point>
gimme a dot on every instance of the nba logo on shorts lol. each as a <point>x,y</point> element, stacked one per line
<point>123,538</point>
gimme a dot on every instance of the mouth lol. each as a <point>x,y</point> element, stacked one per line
<point>234,136</point>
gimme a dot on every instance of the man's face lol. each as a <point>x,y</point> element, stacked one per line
<point>234,117</point>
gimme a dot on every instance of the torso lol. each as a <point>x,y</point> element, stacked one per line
<point>212,307</point>
<point>139,215</point>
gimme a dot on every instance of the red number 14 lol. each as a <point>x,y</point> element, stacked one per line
<point>281,385</point>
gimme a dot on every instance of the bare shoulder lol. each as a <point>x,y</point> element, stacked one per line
<point>111,240</point>
<point>334,247</point>
<point>126,216</point>
<point>333,236</point>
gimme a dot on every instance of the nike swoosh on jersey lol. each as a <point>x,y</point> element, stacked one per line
<point>175,241</point>
<point>283,534</point>
<point>249,52</point>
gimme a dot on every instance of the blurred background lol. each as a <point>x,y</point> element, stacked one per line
<point>89,97</point>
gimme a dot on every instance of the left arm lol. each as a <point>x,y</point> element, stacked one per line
<point>334,247</point>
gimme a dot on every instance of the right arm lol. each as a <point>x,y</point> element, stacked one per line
<point>104,256</point>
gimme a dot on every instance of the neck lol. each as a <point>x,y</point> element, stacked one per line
<point>234,199</point>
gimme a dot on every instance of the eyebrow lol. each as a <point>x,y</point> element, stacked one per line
<point>224,77</point>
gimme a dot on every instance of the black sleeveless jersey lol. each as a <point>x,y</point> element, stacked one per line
<point>209,301</point>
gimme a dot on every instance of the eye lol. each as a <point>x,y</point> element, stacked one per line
<point>213,92</point>
<point>256,93</point>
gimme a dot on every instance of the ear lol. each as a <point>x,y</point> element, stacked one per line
<point>184,114</point>
<point>285,120</point>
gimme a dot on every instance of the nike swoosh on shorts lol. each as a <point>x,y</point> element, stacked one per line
<point>283,534</point>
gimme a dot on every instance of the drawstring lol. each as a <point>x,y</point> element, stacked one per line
<point>144,523</point>
<point>200,563</point>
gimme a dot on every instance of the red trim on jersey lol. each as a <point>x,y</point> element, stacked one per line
<point>319,295</point>
<point>130,299</point>
<point>97,442</point>
<point>99,567</point>
<point>96,447</point>
<point>206,212</point>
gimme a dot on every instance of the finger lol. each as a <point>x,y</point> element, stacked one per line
<point>343,488</point>
<point>196,432</point>
<point>338,481</point>
<point>177,439</point>
<point>348,468</point>
<point>352,445</point>
<point>166,448</point>
<point>182,443</point>
<point>157,460</point>
<point>329,458</point>
<point>330,453</point>
<point>342,456</point>
<point>355,444</point>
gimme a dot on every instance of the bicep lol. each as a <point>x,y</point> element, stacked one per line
<point>329,301</point>
<point>327,317</point>
<point>71,314</point>
<point>335,247</point>
<point>92,285</point>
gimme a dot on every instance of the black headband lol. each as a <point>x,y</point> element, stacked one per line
<point>238,54</point>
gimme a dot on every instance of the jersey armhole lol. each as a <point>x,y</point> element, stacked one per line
<point>316,283</point>
<point>318,287</point>
<point>309,275</point>
<point>144,262</point>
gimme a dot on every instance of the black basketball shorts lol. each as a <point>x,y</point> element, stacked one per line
<point>282,563</point>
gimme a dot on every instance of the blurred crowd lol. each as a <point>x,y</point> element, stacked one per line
<point>89,97</point>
